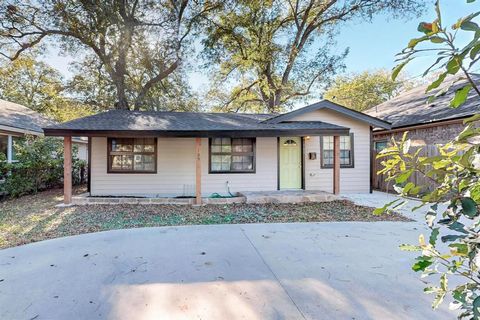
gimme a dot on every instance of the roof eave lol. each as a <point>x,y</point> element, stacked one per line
<point>196,133</point>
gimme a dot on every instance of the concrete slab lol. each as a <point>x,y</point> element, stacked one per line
<point>259,271</point>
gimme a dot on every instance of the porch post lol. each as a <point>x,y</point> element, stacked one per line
<point>9,148</point>
<point>198,171</point>
<point>67,170</point>
<point>336,164</point>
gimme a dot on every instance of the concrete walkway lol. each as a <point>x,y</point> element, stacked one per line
<point>261,271</point>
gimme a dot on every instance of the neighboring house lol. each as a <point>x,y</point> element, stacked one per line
<point>427,123</point>
<point>16,121</point>
<point>169,154</point>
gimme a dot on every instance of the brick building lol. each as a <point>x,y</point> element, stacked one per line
<point>427,123</point>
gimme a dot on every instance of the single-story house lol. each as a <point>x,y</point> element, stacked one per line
<point>323,146</point>
<point>16,121</point>
<point>427,123</point>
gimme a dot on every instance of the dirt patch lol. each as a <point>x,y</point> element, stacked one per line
<point>35,217</point>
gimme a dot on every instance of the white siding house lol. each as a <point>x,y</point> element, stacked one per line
<point>323,147</point>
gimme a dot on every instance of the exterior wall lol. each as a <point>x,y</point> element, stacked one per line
<point>352,180</point>
<point>441,133</point>
<point>176,171</point>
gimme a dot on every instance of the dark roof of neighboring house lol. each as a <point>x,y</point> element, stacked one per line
<point>412,108</point>
<point>17,116</point>
<point>326,104</point>
<point>186,124</point>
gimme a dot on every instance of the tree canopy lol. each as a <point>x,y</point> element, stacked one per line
<point>35,84</point>
<point>269,54</point>
<point>363,90</point>
<point>136,44</point>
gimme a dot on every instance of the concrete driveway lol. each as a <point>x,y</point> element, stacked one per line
<point>262,271</point>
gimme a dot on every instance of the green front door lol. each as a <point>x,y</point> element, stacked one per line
<point>290,163</point>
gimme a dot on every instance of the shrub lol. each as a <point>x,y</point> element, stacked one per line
<point>39,166</point>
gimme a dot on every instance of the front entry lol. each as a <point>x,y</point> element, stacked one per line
<point>290,164</point>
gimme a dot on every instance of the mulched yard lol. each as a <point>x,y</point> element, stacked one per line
<point>35,217</point>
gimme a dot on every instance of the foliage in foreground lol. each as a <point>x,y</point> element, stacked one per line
<point>453,246</point>
<point>39,166</point>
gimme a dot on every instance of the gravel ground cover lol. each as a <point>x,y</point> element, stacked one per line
<point>34,218</point>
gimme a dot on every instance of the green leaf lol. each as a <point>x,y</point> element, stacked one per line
<point>437,39</point>
<point>452,237</point>
<point>379,211</point>
<point>474,51</point>
<point>469,207</point>
<point>472,119</point>
<point>453,65</point>
<point>469,26</point>
<point>412,43</point>
<point>421,265</point>
<point>435,84</point>
<point>399,68</point>
<point>444,282</point>
<point>433,236</point>
<point>476,307</point>
<point>425,27</point>
<point>459,249</point>
<point>460,96</point>
<point>409,247</point>
<point>402,177</point>
<point>438,299</point>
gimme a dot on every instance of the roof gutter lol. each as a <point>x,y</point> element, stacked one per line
<point>421,126</point>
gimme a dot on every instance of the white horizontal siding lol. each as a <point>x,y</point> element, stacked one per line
<point>355,179</point>
<point>264,178</point>
<point>176,171</point>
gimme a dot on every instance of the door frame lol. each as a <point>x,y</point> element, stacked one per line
<point>302,157</point>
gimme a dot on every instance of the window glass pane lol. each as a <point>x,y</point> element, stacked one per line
<point>3,145</point>
<point>133,154</point>
<point>231,154</point>
<point>16,141</point>
<point>345,151</point>
<point>122,144</point>
<point>380,145</point>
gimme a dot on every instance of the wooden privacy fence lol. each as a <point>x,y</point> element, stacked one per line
<point>417,178</point>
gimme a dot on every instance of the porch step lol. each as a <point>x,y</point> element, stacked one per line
<point>287,196</point>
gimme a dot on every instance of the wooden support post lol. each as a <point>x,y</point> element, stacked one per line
<point>67,170</point>
<point>336,164</point>
<point>198,171</point>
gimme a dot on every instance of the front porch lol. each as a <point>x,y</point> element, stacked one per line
<point>251,197</point>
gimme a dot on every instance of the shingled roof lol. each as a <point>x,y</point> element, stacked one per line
<point>412,108</point>
<point>187,124</point>
<point>19,117</point>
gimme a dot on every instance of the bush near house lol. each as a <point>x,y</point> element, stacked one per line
<point>38,166</point>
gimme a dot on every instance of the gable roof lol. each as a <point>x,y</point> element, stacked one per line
<point>326,104</point>
<point>187,124</point>
<point>20,117</point>
<point>412,107</point>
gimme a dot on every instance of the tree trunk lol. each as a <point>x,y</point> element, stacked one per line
<point>122,103</point>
